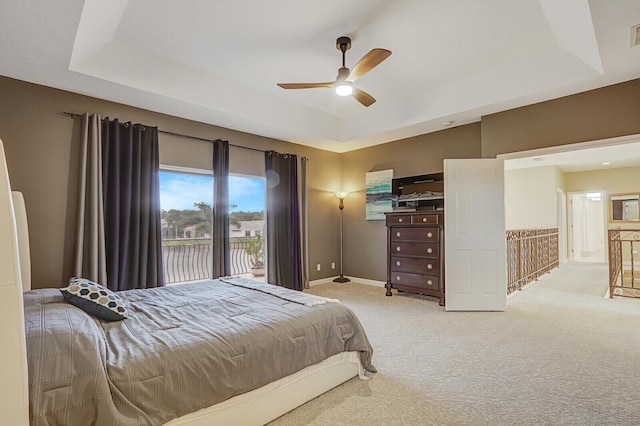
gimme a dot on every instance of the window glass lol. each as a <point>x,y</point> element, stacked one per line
<point>246,225</point>
<point>186,200</point>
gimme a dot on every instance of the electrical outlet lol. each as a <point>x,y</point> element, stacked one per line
<point>333,265</point>
<point>318,267</point>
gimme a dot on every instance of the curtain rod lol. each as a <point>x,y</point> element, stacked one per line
<point>75,115</point>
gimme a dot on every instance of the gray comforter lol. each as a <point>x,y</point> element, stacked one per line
<point>181,349</point>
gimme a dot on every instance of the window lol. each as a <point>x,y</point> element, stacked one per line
<point>186,200</point>
<point>247,200</point>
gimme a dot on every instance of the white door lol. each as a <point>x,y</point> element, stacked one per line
<point>588,228</point>
<point>475,239</point>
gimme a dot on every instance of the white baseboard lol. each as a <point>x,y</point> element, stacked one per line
<point>356,279</point>
<point>369,282</point>
<point>321,281</point>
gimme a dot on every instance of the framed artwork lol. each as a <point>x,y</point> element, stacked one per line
<point>378,194</point>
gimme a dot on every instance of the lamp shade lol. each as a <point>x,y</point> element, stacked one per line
<point>341,194</point>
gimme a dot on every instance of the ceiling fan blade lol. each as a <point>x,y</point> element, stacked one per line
<point>368,62</point>
<point>363,97</point>
<point>304,85</point>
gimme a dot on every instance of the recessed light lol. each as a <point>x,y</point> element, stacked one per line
<point>538,159</point>
<point>447,123</point>
<point>606,163</point>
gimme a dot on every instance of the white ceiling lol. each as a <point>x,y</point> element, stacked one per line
<point>579,157</point>
<point>219,61</point>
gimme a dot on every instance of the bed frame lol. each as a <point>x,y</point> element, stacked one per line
<point>252,408</point>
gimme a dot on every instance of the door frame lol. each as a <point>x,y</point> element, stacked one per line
<point>561,201</point>
<point>570,224</point>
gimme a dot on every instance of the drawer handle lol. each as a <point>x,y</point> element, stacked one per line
<point>429,282</point>
<point>429,250</point>
<point>398,263</point>
<point>429,234</point>
<point>398,234</point>
<point>397,278</point>
<point>397,248</point>
<point>424,219</point>
<point>429,266</point>
<point>400,220</point>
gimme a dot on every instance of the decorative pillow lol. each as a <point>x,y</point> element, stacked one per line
<point>94,299</point>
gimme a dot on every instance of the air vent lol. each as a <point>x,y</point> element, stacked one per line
<point>635,35</point>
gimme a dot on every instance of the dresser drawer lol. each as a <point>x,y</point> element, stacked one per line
<point>399,220</point>
<point>415,249</point>
<point>415,234</point>
<point>428,282</point>
<point>414,264</point>
<point>426,219</point>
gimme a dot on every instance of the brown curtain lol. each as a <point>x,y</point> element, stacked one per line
<point>304,224</point>
<point>90,253</point>
<point>284,254</point>
<point>221,256</point>
<point>131,200</point>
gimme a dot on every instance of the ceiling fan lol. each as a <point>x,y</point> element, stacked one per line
<point>344,81</point>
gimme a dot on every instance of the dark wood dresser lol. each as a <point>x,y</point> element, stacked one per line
<point>415,252</point>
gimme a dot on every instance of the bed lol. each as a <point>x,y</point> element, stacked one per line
<point>314,361</point>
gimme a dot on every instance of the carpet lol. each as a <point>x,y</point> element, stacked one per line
<point>561,354</point>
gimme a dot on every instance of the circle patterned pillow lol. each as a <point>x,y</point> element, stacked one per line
<point>95,299</point>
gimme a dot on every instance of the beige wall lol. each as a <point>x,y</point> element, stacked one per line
<point>42,152</point>
<point>561,179</point>
<point>597,114</point>
<point>530,198</point>
<point>365,241</point>
<point>531,194</point>
<point>624,180</point>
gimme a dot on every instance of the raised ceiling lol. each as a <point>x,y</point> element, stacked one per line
<point>605,154</point>
<point>218,62</point>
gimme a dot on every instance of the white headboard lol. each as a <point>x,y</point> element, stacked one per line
<point>14,386</point>
<point>24,255</point>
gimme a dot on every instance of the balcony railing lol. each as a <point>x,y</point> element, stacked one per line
<point>623,249</point>
<point>531,253</point>
<point>190,259</point>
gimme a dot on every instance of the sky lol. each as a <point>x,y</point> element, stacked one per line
<point>180,190</point>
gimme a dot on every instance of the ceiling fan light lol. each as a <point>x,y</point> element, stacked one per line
<point>344,88</point>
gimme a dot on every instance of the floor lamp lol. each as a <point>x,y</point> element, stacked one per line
<point>341,195</point>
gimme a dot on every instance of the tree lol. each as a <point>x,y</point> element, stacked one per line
<point>199,219</point>
<point>173,219</point>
